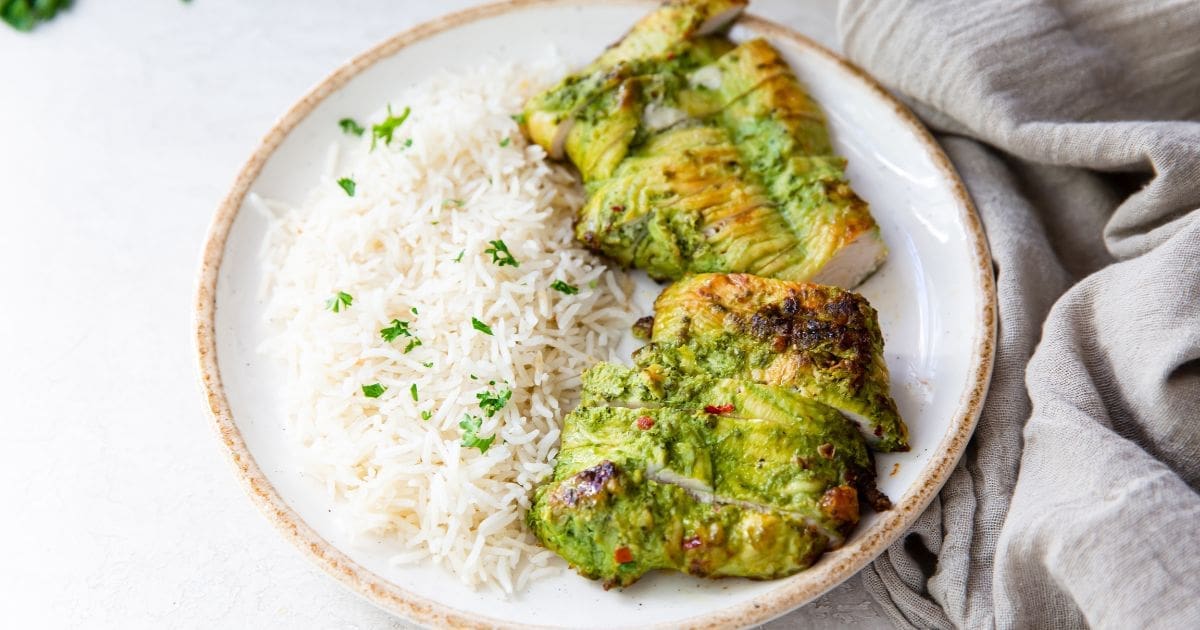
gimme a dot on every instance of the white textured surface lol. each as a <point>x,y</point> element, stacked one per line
<point>121,126</point>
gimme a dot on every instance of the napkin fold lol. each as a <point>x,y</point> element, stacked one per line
<point>1076,127</point>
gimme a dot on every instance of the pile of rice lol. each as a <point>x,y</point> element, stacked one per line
<point>410,245</point>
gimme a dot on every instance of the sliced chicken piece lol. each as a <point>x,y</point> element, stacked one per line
<point>636,490</point>
<point>822,341</point>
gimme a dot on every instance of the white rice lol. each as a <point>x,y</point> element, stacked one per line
<point>392,246</point>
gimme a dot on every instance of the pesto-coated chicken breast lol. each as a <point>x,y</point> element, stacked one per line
<point>781,134</point>
<point>669,42</point>
<point>610,385</point>
<point>740,443</point>
<point>656,488</point>
<point>683,203</point>
<point>822,341</point>
<point>633,121</point>
<point>675,21</point>
<point>615,523</point>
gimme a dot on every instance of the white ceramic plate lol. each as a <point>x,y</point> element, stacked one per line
<point>934,295</point>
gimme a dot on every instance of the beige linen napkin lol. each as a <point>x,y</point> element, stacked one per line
<point>1074,124</point>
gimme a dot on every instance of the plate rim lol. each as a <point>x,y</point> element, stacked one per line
<point>794,591</point>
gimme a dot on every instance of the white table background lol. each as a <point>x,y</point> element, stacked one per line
<point>122,123</point>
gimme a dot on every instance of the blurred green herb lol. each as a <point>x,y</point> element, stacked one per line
<point>397,329</point>
<point>492,402</point>
<point>470,426</point>
<point>500,254</point>
<point>351,126</point>
<point>481,327</point>
<point>563,287</point>
<point>24,15</point>
<point>384,130</point>
<point>340,301</point>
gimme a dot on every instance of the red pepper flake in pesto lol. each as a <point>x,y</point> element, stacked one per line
<point>618,208</point>
<point>623,555</point>
<point>718,409</point>
<point>692,543</point>
<point>645,422</point>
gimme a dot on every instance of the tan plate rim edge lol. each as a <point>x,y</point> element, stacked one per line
<point>794,591</point>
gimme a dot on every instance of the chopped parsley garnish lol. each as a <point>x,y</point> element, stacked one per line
<point>470,426</point>
<point>407,142</point>
<point>453,202</point>
<point>396,330</point>
<point>500,254</point>
<point>505,142</point>
<point>374,390</point>
<point>480,326</point>
<point>400,329</point>
<point>414,310</point>
<point>348,185</point>
<point>519,118</point>
<point>492,402</point>
<point>351,127</point>
<point>473,377</point>
<point>413,390</point>
<point>426,415</point>
<point>458,258</point>
<point>563,287</point>
<point>428,364</point>
<point>340,301</point>
<point>384,130</point>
